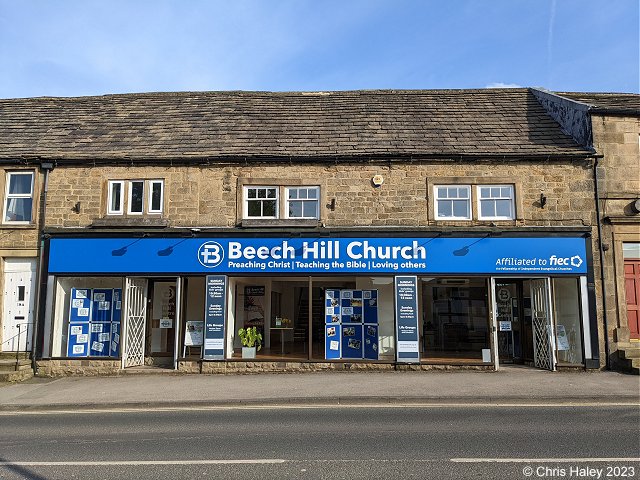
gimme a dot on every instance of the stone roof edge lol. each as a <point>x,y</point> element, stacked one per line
<point>277,93</point>
<point>593,108</point>
<point>572,116</point>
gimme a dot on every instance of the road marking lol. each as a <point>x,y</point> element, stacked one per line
<point>314,406</point>
<point>258,461</point>
<point>542,460</point>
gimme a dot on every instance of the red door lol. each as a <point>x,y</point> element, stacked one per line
<point>632,288</point>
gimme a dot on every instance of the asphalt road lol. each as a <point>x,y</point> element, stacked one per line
<point>327,443</point>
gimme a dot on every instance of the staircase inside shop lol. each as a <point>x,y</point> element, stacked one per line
<point>301,328</point>
<point>629,357</point>
<point>15,367</point>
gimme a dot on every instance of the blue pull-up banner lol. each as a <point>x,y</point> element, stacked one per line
<point>215,315</point>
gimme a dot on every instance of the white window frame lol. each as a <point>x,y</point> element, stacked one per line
<point>109,197</point>
<point>511,198</point>
<point>438,200</point>
<point>8,196</point>
<point>316,200</point>
<point>129,196</point>
<point>247,199</point>
<point>150,184</point>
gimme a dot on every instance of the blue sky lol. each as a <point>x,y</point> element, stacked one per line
<point>90,47</point>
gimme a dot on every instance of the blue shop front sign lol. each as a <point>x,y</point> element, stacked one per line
<point>388,255</point>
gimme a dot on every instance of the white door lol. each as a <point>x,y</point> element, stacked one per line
<point>135,319</point>
<point>19,297</point>
<point>542,324</point>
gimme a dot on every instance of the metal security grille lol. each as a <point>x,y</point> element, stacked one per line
<point>135,320</point>
<point>541,316</point>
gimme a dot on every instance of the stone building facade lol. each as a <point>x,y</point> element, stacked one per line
<point>21,185</point>
<point>460,179</point>
<point>610,124</point>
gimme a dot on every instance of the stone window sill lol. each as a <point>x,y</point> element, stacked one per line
<point>130,222</point>
<point>277,222</point>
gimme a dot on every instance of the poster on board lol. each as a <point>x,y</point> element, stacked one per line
<point>101,304</point>
<point>78,340</point>
<point>194,333</point>
<point>80,307</point>
<point>351,340</point>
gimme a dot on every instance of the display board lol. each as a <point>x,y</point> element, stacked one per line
<point>407,338</point>
<point>215,317</point>
<point>351,324</point>
<point>94,322</point>
<point>78,340</point>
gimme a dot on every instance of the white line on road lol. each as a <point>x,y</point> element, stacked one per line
<point>315,406</point>
<point>542,460</point>
<point>145,462</point>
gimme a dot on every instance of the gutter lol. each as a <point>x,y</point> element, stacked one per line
<point>384,158</point>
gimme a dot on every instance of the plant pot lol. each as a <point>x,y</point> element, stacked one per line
<point>248,352</point>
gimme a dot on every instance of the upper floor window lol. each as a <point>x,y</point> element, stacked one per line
<point>18,202</point>
<point>453,202</point>
<point>281,202</point>
<point>302,202</point>
<point>133,193</point>
<point>495,202</point>
<point>261,202</point>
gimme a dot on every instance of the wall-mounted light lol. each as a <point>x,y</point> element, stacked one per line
<point>543,200</point>
<point>635,206</point>
<point>332,204</point>
<point>76,208</point>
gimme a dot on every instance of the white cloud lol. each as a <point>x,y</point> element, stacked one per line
<point>503,85</point>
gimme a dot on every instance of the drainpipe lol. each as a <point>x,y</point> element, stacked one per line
<point>601,256</point>
<point>46,167</point>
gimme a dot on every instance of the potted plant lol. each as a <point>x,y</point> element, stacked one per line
<point>251,341</point>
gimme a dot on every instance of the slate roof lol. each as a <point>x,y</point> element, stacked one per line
<point>612,103</point>
<point>218,125</point>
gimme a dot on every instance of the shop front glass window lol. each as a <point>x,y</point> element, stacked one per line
<point>19,197</point>
<point>455,319</point>
<point>87,317</point>
<point>566,298</point>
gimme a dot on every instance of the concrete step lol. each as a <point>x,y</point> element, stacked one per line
<point>11,377</point>
<point>13,355</point>
<point>630,353</point>
<point>7,365</point>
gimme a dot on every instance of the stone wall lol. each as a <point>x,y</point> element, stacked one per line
<point>65,368</point>
<point>207,196</point>
<point>617,139</point>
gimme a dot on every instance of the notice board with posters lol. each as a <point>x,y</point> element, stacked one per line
<point>351,324</point>
<point>94,322</point>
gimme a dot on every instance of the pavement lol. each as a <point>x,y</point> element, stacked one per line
<point>509,385</point>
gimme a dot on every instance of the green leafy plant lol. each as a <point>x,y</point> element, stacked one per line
<point>250,337</point>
